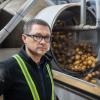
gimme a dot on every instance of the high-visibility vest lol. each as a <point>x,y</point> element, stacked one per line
<point>29,80</point>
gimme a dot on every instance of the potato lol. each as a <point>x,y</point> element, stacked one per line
<point>89,62</point>
<point>93,74</point>
<point>97,72</point>
<point>77,50</point>
<point>89,75</point>
<point>77,57</point>
<point>87,78</point>
<point>93,81</point>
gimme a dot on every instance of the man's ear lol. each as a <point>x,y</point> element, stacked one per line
<point>24,38</point>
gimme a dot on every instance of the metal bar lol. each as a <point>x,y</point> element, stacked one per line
<point>76,28</point>
<point>83,12</point>
<point>81,28</point>
<point>50,3</point>
<point>3,4</point>
<point>97,13</point>
<point>16,19</point>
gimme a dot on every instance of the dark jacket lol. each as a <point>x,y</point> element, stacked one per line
<point>13,84</point>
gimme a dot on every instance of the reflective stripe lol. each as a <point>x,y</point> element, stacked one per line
<point>49,71</point>
<point>27,76</point>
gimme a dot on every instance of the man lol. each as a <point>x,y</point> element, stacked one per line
<point>27,75</point>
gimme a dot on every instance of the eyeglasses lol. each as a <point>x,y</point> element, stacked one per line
<point>39,38</point>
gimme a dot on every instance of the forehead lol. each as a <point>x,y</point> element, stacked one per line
<point>44,30</point>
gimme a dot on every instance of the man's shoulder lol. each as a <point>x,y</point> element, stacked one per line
<point>8,62</point>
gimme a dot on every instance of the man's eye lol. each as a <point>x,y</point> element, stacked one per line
<point>47,37</point>
<point>38,37</point>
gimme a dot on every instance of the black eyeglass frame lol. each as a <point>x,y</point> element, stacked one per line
<point>39,38</point>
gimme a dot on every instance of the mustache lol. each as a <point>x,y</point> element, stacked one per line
<point>47,48</point>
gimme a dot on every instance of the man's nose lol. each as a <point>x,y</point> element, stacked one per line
<point>43,41</point>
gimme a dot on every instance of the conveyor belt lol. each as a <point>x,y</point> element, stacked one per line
<point>77,86</point>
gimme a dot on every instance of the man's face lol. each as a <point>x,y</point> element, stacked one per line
<point>38,40</point>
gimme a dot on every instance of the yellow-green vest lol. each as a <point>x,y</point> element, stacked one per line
<point>29,80</point>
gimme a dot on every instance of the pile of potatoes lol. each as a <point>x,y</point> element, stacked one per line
<point>82,59</point>
<point>70,55</point>
<point>90,76</point>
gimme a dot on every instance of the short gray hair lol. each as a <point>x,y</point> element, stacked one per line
<point>28,25</point>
